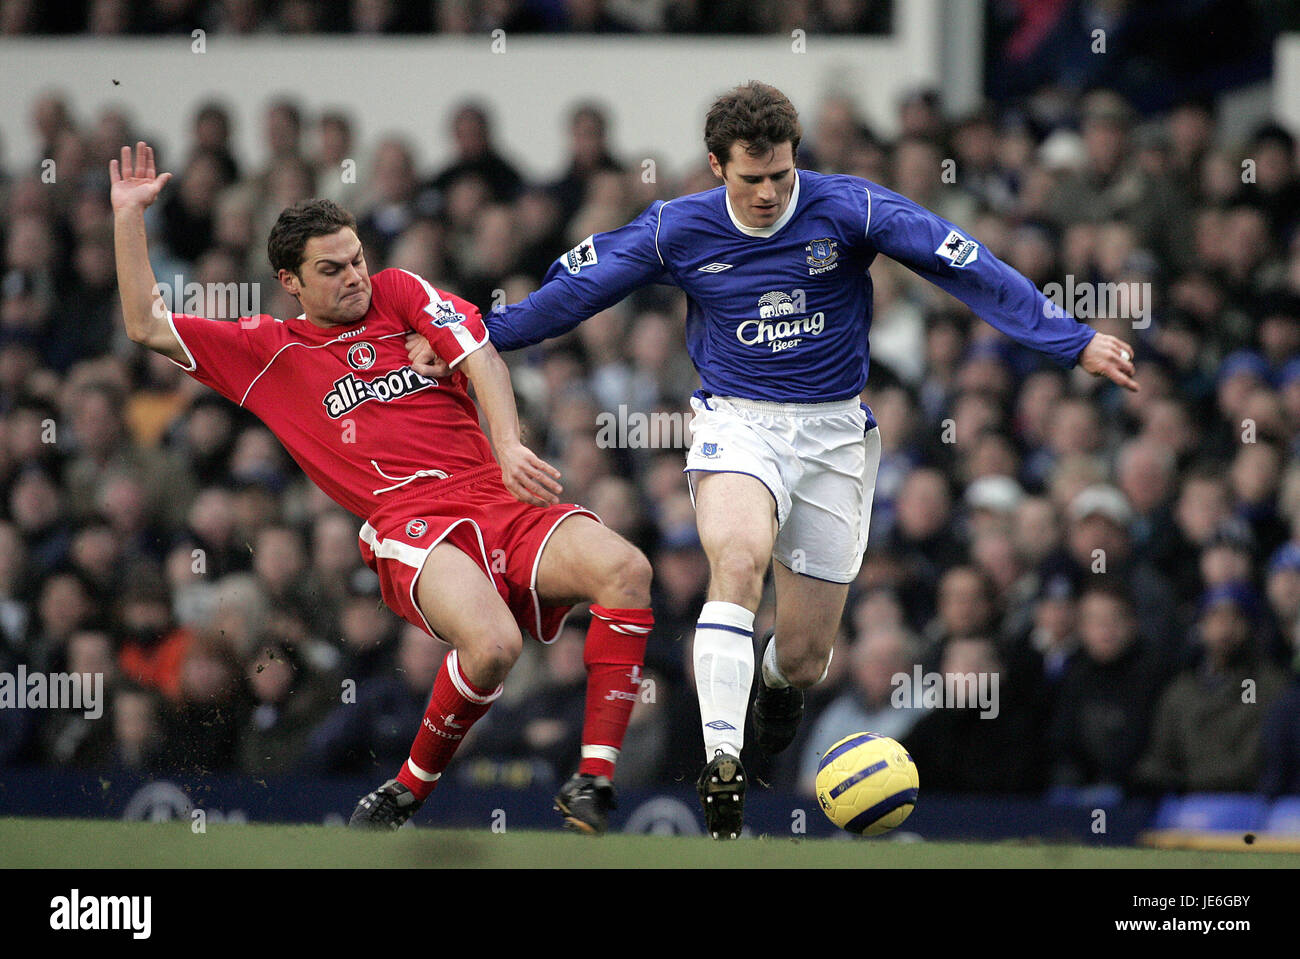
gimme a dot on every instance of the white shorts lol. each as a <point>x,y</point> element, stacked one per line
<point>819,462</point>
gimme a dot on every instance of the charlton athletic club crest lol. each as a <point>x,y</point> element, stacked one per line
<point>822,257</point>
<point>416,528</point>
<point>361,356</point>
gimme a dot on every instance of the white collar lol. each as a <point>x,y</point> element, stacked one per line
<point>766,231</point>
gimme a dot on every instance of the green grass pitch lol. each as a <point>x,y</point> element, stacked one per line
<point>81,844</point>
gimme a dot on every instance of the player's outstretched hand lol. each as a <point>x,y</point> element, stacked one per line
<point>1111,357</point>
<point>529,479</point>
<point>423,360</point>
<point>138,183</point>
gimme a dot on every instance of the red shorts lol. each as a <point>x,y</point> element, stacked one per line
<point>476,513</point>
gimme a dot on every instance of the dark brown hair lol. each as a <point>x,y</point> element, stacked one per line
<point>755,114</point>
<point>298,224</point>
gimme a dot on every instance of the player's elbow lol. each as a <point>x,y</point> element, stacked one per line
<point>145,323</point>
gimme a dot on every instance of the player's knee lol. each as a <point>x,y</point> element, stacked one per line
<point>804,670</point>
<point>627,582</point>
<point>739,570</point>
<point>489,657</point>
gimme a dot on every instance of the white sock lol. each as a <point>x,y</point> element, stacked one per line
<point>724,671</point>
<point>772,675</point>
<point>827,668</point>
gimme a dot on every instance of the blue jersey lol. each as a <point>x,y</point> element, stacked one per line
<point>782,313</point>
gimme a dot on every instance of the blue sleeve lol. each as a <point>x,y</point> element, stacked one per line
<point>955,262</point>
<point>593,276</point>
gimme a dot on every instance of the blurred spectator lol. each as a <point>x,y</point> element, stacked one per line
<point>476,155</point>
<point>1206,732</point>
<point>83,736</point>
<point>969,749</point>
<point>389,205</point>
<point>1283,590</point>
<point>203,725</point>
<point>335,148</point>
<point>1099,543</point>
<point>154,649</point>
<point>212,136</point>
<point>1106,698</point>
<point>589,155</point>
<point>287,704</point>
<point>139,738</point>
<point>280,564</point>
<point>13,609</point>
<point>366,630</point>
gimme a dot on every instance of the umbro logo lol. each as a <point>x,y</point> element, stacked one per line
<point>719,724</point>
<point>714,267</point>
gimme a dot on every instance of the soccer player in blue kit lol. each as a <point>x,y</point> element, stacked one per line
<point>783,458</point>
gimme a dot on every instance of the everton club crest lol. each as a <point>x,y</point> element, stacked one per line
<point>822,256</point>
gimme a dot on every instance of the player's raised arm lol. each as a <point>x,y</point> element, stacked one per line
<point>593,276</point>
<point>956,262</point>
<point>135,185</point>
<point>529,479</point>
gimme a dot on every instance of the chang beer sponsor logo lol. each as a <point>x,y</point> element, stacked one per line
<point>772,328</point>
<point>351,391</point>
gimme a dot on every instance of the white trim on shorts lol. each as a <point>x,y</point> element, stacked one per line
<point>532,582</point>
<point>406,554</point>
<point>833,408</point>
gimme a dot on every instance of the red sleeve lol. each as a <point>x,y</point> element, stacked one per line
<point>224,354</point>
<point>452,326</point>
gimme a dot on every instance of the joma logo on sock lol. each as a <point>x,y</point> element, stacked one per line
<point>75,912</point>
<point>438,732</point>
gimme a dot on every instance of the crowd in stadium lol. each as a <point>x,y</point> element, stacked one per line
<point>396,17</point>
<point>1126,564</point>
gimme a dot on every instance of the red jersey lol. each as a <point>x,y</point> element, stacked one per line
<point>345,401</point>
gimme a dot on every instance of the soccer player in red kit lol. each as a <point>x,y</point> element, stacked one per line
<point>474,549</point>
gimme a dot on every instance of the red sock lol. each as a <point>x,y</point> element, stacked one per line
<point>614,654</point>
<point>456,704</point>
